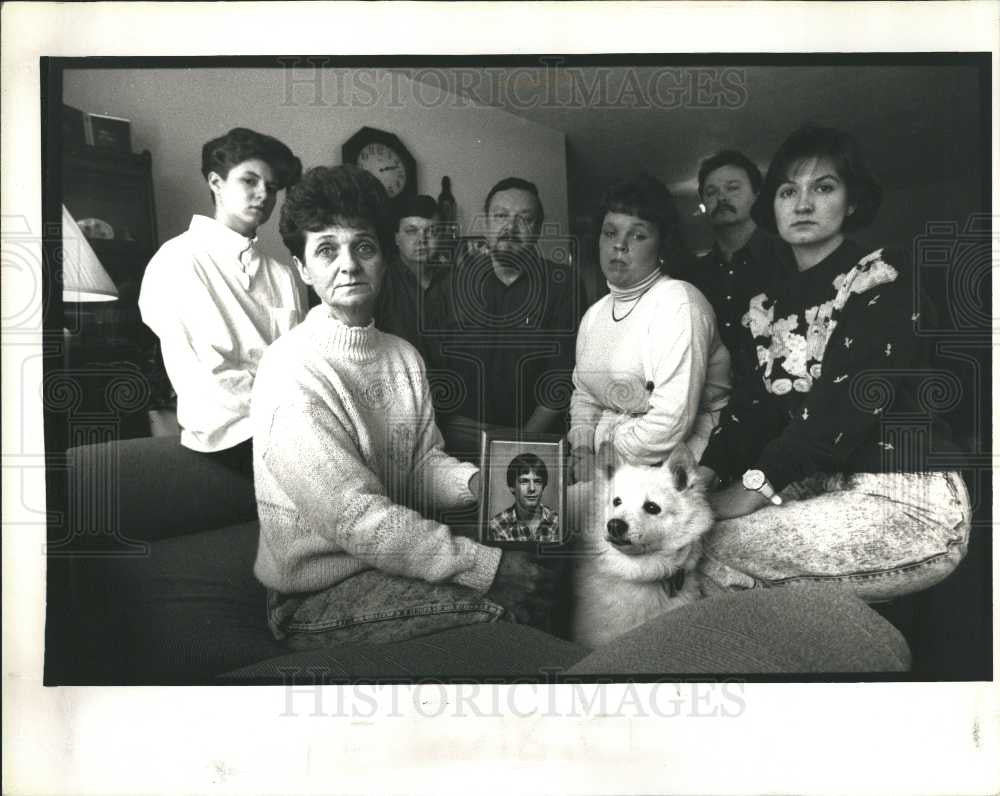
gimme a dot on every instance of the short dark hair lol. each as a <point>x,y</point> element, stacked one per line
<point>524,463</point>
<point>240,145</point>
<point>512,184</point>
<point>327,195</point>
<point>420,205</point>
<point>646,197</point>
<point>811,141</point>
<point>729,157</point>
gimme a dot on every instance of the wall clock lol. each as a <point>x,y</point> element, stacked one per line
<point>384,155</point>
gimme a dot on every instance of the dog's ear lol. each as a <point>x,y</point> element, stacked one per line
<point>605,462</point>
<point>682,467</point>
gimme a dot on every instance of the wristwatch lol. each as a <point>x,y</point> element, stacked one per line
<point>756,481</point>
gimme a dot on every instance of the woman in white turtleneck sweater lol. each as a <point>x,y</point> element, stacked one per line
<point>651,370</point>
<point>348,462</point>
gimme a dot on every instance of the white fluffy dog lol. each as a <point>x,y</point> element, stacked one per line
<point>641,540</point>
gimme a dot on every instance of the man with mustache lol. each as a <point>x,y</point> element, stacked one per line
<point>504,328</point>
<point>409,275</point>
<point>744,258</point>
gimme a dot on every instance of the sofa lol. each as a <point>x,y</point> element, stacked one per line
<point>151,582</point>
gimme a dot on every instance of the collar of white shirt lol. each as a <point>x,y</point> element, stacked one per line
<point>228,245</point>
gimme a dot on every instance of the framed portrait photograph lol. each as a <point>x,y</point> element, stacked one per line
<point>523,483</point>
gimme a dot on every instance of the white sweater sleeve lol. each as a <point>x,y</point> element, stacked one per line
<point>678,340</point>
<point>199,353</point>
<point>584,408</point>
<point>343,507</point>
<point>440,481</point>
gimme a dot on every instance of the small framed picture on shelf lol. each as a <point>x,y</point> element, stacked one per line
<point>523,490</point>
<point>109,132</point>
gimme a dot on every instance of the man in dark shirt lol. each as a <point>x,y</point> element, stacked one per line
<point>744,258</point>
<point>408,276</point>
<point>504,329</point>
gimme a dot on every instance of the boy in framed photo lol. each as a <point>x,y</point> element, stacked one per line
<point>528,519</point>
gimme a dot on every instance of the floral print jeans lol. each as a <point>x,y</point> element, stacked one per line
<point>882,535</point>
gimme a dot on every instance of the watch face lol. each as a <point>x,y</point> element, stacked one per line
<point>385,164</point>
<point>753,479</point>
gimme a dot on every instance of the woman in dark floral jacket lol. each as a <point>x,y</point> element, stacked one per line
<point>826,453</point>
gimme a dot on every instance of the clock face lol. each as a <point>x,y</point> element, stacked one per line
<point>384,163</point>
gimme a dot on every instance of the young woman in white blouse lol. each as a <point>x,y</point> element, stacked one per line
<point>216,300</point>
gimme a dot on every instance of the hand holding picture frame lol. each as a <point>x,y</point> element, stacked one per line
<point>523,490</point>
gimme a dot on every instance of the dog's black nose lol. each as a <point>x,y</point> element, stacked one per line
<point>617,528</point>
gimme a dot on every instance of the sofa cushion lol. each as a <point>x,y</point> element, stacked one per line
<point>804,629</point>
<point>790,629</point>
<point>192,610</point>
<point>151,488</point>
<point>186,612</point>
<point>481,651</point>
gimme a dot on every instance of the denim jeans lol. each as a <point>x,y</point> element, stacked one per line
<point>375,607</point>
<point>882,535</point>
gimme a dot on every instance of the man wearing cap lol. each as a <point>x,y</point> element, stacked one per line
<point>409,276</point>
<point>504,328</point>
<point>744,258</point>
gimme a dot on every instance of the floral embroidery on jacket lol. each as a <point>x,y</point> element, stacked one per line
<point>871,271</point>
<point>800,355</point>
<point>758,317</point>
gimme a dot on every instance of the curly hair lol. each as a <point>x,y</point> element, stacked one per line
<point>240,145</point>
<point>524,463</point>
<point>327,195</point>
<point>811,141</point>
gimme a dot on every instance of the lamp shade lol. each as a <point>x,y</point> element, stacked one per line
<point>84,278</point>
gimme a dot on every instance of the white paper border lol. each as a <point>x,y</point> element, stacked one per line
<point>893,738</point>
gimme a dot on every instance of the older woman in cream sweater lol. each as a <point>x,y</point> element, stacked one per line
<point>348,464</point>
